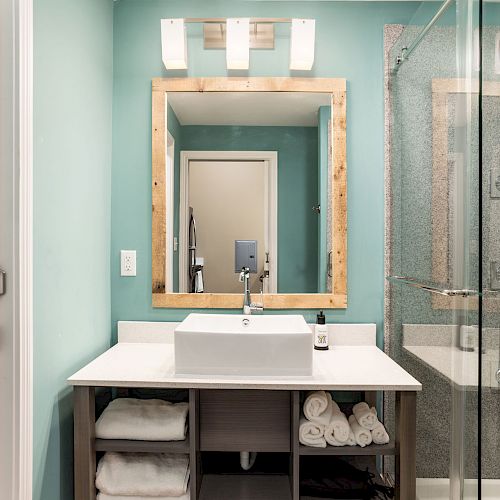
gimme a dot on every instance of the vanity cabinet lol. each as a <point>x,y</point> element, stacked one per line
<point>229,414</point>
<point>233,420</point>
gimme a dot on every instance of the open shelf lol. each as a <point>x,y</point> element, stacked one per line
<point>245,487</point>
<point>372,449</point>
<point>125,445</point>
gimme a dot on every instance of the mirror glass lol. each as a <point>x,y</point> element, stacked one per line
<point>250,186</point>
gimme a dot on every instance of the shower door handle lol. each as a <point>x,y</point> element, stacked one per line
<point>405,280</point>
<point>3,277</point>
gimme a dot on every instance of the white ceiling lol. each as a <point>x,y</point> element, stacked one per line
<point>248,108</point>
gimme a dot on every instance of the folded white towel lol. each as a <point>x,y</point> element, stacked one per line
<point>362,436</point>
<point>379,434</point>
<point>143,419</point>
<point>143,474</point>
<point>312,434</point>
<point>103,496</point>
<point>366,416</point>
<point>318,407</point>
<point>337,429</point>
<point>351,441</point>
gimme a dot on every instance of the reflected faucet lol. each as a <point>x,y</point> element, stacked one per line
<point>248,306</point>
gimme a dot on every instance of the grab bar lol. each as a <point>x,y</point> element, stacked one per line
<point>405,280</point>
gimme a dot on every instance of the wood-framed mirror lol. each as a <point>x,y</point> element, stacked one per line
<point>249,168</point>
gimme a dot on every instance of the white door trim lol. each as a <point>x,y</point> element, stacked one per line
<point>169,203</point>
<point>23,434</point>
<point>271,159</point>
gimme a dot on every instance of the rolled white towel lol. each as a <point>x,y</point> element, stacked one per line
<point>351,441</point>
<point>312,434</point>
<point>143,474</point>
<point>143,419</point>
<point>337,429</point>
<point>366,416</point>
<point>103,496</point>
<point>318,407</point>
<point>379,434</point>
<point>362,436</point>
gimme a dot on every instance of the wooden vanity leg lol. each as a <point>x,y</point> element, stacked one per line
<point>84,440</point>
<point>194,443</point>
<point>294,445</point>
<point>406,415</point>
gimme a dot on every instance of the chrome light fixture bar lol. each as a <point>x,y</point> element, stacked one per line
<point>261,36</point>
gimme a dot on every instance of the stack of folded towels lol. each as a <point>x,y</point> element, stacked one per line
<point>143,420</point>
<point>141,476</point>
<point>324,423</point>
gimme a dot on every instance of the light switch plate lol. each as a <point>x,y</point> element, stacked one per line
<point>128,263</point>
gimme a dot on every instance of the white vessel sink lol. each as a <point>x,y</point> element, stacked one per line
<point>235,344</point>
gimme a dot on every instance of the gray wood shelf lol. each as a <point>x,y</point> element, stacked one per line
<point>125,445</point>
<point>207,410</point>
<point>245,487</point>
<point>372,449</point>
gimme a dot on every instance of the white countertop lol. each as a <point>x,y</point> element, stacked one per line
<point>346,368</point>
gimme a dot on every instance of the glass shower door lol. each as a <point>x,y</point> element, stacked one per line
<point>434,238</point>
<point>489,407</point>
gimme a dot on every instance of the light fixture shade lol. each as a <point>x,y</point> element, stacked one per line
<point>302,44</point>
<point>174,44</point>
<point>238,43</point>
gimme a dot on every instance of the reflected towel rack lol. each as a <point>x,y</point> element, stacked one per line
<point>405,280</point>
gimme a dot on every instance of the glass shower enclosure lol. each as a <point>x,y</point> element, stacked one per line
<point>443,239</point>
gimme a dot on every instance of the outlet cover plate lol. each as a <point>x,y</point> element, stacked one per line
<point>495,183</point>
<point>128,263</point>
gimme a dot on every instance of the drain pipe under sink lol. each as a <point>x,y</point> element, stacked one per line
<point>247,459</point>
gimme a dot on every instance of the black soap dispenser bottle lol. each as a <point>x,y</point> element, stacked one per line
<point>321,333</point>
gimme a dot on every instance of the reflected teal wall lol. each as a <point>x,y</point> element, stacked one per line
<point>297,149</point>
<point>73,71</point>
<point>349,43</point>
<point>175,131</point>
<point>324,116</point>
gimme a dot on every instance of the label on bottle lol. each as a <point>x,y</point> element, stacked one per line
<point>321,337</point>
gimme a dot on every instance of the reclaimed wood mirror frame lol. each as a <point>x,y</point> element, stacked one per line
<point>161,87</point>
<point>442,89</point>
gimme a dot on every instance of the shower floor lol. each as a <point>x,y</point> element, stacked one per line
<point>439,489</point>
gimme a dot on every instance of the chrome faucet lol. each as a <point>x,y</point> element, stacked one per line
<point>248,306</point>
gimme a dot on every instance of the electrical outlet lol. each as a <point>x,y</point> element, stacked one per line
<point>495,275</point>
<point>128,262</point>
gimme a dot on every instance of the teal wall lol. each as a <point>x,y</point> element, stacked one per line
<point>349,43</point>
<point>72,217</point>
<point>297,149</point>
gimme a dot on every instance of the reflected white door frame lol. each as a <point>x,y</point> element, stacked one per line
<point>271,219</point>
<point>169,203</point>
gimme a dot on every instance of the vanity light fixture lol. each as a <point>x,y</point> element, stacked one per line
<point>238,36</point>
<point>174,43</point>
<point>302,44</point>
<point>238,43</point>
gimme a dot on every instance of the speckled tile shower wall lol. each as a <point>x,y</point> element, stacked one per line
<point>409,215</point>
